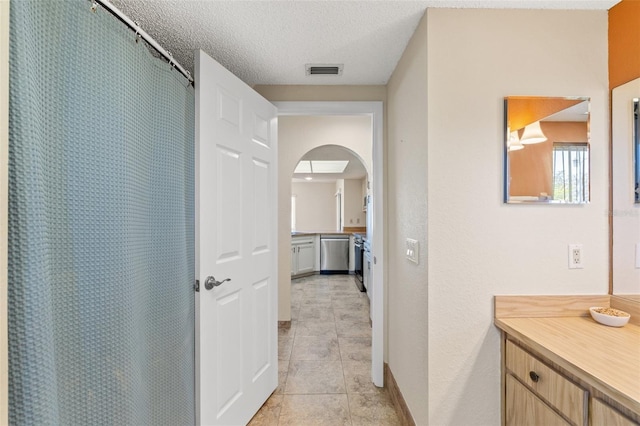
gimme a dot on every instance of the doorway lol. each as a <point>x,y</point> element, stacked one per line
<point>375,231</point>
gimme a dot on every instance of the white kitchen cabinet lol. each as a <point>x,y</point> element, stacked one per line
<point>303,255</point>
<point>306,257</point>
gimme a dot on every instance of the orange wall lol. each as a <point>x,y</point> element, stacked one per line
<point>524,110</point>
<point>624,42</point>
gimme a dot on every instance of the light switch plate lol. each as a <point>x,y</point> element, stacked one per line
<point>413,250</point>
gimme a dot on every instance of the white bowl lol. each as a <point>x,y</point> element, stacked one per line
<point>610,320</point>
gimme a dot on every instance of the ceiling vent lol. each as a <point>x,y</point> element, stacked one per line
<point>324,69</point>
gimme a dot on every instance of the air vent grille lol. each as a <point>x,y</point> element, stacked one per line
<point>324,69</point>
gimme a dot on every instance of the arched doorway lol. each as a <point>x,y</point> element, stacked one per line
<point>329,187</point>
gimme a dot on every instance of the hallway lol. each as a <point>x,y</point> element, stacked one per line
<point>325,360</point>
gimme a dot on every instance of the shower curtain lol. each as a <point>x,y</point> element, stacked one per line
<point>101,220</point>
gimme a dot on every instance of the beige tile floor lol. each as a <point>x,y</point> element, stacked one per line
<point>325,360</point>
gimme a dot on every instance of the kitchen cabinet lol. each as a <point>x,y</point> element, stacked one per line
<point>303,255</point>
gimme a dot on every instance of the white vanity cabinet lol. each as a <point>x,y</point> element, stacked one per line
<point>303,255</point>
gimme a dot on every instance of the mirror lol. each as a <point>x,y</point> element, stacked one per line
<point>625,173</point>
<point>636,148</point>
<point>546,150</point>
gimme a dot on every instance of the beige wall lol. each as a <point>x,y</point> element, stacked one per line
<point>477,246</point>
<point>297,135</point>
<point>407,286</point>
<point>4,146</point>
<point>315,206</point>
<point>353,201</point>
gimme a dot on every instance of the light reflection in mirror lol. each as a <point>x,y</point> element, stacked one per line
<point>546,150</point>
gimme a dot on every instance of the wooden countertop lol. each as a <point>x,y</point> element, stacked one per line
<point>606,358</point>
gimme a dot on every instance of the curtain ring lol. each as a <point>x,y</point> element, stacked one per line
<point>138,36</point>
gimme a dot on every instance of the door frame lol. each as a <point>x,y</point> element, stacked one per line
<point>376,112</point>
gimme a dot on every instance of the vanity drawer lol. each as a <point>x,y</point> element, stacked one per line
<point>523,408</point>
<point>557,390</point>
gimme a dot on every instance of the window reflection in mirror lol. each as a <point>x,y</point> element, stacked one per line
<point>636,147</point>
<point>546,150</point>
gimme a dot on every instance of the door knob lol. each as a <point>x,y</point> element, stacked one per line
<point>211,282</point>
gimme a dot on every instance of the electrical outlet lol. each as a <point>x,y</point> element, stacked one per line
<point>575,256</point>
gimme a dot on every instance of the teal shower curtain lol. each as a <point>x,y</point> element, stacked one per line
<point>101,237</point>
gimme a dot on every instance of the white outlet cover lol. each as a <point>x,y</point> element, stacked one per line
<point>413,250</point>
<point>579,262</point>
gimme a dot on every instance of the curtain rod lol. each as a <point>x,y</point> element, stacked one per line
<point>146,37</point>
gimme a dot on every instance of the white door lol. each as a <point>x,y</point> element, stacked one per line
<point>236,223</point>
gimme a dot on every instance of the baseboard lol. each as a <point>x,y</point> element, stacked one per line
<point>284,324</point>
<point>396,397</point>
<point>306,274</point>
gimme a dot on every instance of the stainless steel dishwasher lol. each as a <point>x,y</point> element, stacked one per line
<point>334,254</point>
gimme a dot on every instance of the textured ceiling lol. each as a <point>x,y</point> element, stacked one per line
<point>270,41</point>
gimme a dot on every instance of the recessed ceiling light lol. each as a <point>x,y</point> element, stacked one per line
<point>308,178</point>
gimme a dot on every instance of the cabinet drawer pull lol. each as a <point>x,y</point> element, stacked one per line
<point>534,376</point>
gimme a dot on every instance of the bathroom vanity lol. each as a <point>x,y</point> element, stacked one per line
<point>560,367</point>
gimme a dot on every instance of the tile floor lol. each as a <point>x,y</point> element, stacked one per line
<point>325,360</point>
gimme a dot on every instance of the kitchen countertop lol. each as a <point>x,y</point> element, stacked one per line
<point>607,358</point>
<point>303,233</point>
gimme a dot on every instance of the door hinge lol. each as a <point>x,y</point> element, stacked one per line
<point>197,286</point>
